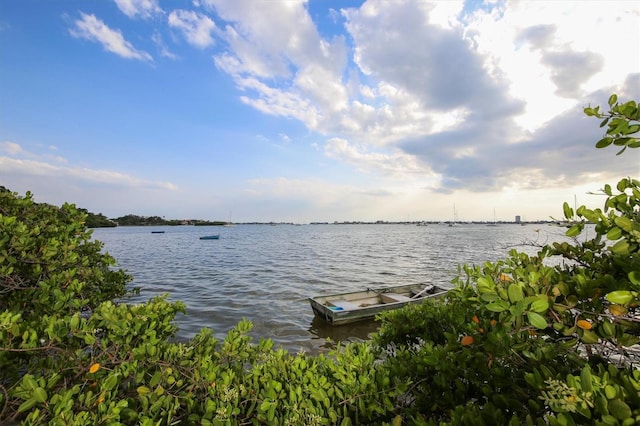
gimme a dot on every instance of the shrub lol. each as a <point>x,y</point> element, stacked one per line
<point>524,342</point>
<point>516,341</point>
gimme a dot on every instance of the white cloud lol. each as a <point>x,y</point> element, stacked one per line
<point>277,56</point>
<point>142,8</point>
<point>447,89</point>
<point>533,45</point>
<point>31,166</point>
<point>40,169</point>
<point>164,50</point>
<point>195,27</point>
<point>447,95</point>
<point>10,148</point>
<point>284,137</point>
<point>398,164</point>
<point>91,28</point>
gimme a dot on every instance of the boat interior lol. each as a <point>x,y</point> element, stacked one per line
<point>368,299</point>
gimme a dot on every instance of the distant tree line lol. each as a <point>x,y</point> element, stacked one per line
<point>101,221</point>
<point>97,220</point>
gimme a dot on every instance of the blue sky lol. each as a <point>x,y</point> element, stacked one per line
<point>274,110</point>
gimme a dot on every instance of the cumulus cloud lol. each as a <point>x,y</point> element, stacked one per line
<point>569,69</point>
<point>395,164</point>
<point>276,55</point>
<point>91,28</point>
<point>466,96</point>
<point>139,8</point>
<point>195,27</point>
<point>476,97</point>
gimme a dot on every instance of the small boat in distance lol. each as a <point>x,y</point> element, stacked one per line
<point>345,308</point>
<point>157,232</point>
<point>211,237</point>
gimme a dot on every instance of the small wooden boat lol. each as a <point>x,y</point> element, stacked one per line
<point>345,308</point>
<point>211,237</point>
<point>157,232</point>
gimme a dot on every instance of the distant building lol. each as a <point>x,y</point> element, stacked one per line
<point>518,219</point>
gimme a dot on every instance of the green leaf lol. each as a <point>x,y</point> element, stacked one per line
<point>568,211</point>
<point>40,395</point>
<point>89,339</point>
<point>485,284</point>
<point>540,305</point>
<point>272,412</point>
<point>590,215</point>
<point>634,277</point>
<point>574,230</point>
<point>515,293</point>
<point>489,297</point>
<point>155,379</point>
<point>604,142</point>
<point>622,185</point>
<point>624,223</point>
<point>537,320</point>
<point>27,405</point>
<point>608,329</point>
<point>586,381</point>
<point>614,234</point>
<point>28,382</point>
<point>613,99</point>
<point>620,297</point>
<point>111,382</point>
<point>619,409</point>
<point>589,337</point>
<point>621,248</point>
<point>264,407</point>
<point>498,306</point>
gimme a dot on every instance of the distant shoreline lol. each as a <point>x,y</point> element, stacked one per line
<point>409,223</point>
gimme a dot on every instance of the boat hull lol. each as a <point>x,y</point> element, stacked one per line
<point>210,237</point>
<point>346,308</point>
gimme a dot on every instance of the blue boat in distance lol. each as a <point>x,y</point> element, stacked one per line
<point>211,237</point>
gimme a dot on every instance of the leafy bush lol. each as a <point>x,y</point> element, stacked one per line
<point>524,342</point>
<point>69,355</point>
<point>517,341</point>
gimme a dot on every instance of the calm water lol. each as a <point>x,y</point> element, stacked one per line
<point>266,273</point>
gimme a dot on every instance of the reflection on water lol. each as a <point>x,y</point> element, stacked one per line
<point>267,273</point>
<point>329,336</point>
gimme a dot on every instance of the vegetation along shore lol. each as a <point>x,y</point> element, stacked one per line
<point>514,342</point>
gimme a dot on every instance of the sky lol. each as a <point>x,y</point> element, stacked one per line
<point>313,111</point>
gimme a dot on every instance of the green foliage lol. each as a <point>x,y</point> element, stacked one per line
<point>518,341</point>
<point>70,355</point>
<point>97,220</point>
<point>134,220</point>
<point>622,121</point>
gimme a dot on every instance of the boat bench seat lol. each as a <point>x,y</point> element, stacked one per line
<point>394,297</point>
<point>344,304</point>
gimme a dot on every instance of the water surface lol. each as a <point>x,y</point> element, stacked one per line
<point>266,273</point>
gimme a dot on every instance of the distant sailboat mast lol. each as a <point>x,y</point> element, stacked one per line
<point>494,223</point>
